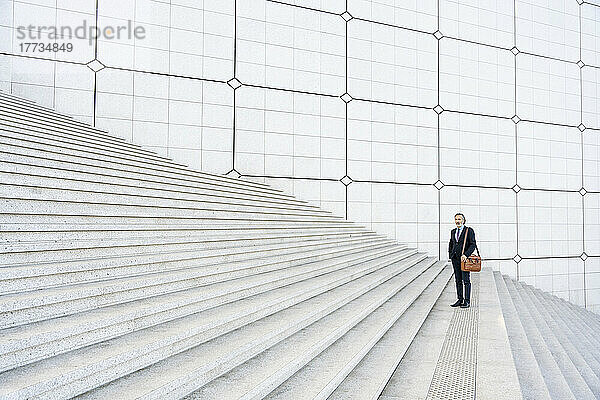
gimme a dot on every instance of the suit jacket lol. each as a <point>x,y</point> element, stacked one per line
<point>455,248</point>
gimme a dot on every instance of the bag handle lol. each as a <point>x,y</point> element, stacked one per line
<point>465,242</point>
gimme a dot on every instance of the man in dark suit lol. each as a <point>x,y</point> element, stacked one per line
<point>457,237</point>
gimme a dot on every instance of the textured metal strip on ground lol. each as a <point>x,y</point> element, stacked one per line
<point>454,376</point>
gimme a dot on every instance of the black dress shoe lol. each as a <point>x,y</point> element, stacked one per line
<point>466,304</point>
<point>457,304</point>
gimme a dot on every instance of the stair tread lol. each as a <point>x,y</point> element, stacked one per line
<point>533,385</point>
<point>123,318</point>
<point>422,355</point>
<point>365,346</point>
<point>553,377</point>
<point>576,383</point>
<point>495,364</point>
<point>212,260</point>
<point>570,349</point>
<point>135,344</point>
<point>252,340</point>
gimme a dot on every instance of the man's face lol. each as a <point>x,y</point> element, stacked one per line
<point>458,220</point>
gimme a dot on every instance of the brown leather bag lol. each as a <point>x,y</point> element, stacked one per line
<point>473,262</point>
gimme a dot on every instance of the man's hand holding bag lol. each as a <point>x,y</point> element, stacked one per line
<point>473,262</point>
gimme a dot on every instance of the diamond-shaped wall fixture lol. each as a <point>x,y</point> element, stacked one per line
<point>516,188</point>
<point>582,191</point>
<point>580,2</point>
<point>517,258</point>
<point>234,83</point>
<point>346,97</point>
<point>346,180</point>
<point>438,109</point>
<point>516,119</point>
<point>581,127</point>
<point>439,185</point>
<point>95,65</point>
<point>233,174</point>
<point>584,256</point>
<point>346,16</point>
<point>438,35</point>
<point>580,64</point>
<point>515,51</point>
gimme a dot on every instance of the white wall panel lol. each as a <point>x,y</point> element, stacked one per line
<point>549,157</point>
<point>289,134</point>
<point>391,143</point>
<point>550,224</point>
<point>548,28</point>
<point>477,150</point>
<point>391,64</point>
<point>592,224</point>
<point>548,90</point>
<point>173,116</point>
<point>476,78</point>
<point>591,160</point>
<point>590,34</point>
<point>291,48</point>
<point>591,96</point>
<point>413,14</point>
<point>481,21</point>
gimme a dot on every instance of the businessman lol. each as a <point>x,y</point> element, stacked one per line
<point>457,237</point>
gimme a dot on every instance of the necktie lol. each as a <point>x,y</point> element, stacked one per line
<point>457,233</point>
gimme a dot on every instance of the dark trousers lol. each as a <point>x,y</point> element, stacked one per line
<point>461,277</point>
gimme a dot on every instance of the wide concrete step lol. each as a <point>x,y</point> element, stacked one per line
<point>568,368</point>
<point>32,233</point>
<point>48,194</point>
<point>47,207</point>
<point>134,283</point>
<point>85,369</point>
<point>412,375</point>
<point>56,165</point>
<point>30,277</point>
<point>33,110</point>
<point>531,380</point>
<point>591,319</point>
<point>18,175</point>
<point>329,310</point>
<point>186,247</point>
<point>555,381</point>
<point>587,337</point>
<point>33,342</point>
<point>43,155</point>
<point>78,139</point>
<point>567,341</point>
<point>21,221</point>
<point>125,239</point>
<point>40,150</point>
<point>266,373</point>
<point>37,119</point>
<point>375,345</point>
<point>496,366</point>
<point>10,137</point>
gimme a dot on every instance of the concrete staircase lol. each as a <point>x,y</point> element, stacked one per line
<point>555,344</point>
<point>126,275</point>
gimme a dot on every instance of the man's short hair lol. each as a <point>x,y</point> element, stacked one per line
<point>462,215</point>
